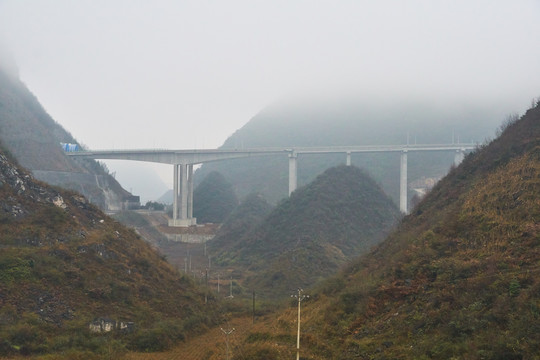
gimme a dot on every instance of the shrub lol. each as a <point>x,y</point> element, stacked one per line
<point>514,287</point>
<point>257,353</point>
<point>159,338</point>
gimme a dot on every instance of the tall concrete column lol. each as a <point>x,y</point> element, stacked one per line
<point>403,183</point>
<point>175,192</point>
<point>293,181</point>
<point>183,192</point>
<point>458,157</point>
<point>190,191</point>
<point>348,158</point>
<point>183,196</point>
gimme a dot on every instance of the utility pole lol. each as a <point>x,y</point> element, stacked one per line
<point>300,297</point>
<point>231,295</point>
<point>206,284</point>
<point>253,306</point>
<point>227,333</point>
<point>218,283</point>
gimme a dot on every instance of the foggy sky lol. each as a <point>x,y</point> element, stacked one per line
<point>187,74</point>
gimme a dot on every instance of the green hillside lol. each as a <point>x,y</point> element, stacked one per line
<point>34,138</point>
<point>65,264</point>
<point>339,215</point>
<point>243,219</point>
<point>213,199</point>
<point>355,122</point>
<point>458,279</point>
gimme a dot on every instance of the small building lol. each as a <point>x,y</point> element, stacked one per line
<point>132,202</point>
<point>101,325</point>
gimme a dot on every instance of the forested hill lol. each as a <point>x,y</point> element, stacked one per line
<point>459,277</point>
<point>33,137</point>
<point>355,122</point>
<point>338,216</point>
<point>64,264</point>
<point>244,218</point>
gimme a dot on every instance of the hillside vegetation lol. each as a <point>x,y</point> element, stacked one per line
<point>458,279</point>
<point>64,264</point>
<point>243,219</point>
<point>341,214</point>
<point>213,199</point>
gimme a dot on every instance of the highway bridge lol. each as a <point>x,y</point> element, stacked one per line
<point>184,160</point>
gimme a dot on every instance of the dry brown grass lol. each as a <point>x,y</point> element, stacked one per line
<point>209,346</point>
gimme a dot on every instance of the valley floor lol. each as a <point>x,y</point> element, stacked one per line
<point>209,346</point>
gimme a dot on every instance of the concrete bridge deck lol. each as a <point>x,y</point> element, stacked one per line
<point>183,161</point>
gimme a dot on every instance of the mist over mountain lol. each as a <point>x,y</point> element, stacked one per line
<point>457,279</point>
<point>34,138</point>
<point>365,120</point>
<point>353,121</point>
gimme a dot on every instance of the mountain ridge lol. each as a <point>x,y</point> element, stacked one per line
<point>456,279</point>
<point>34,138</point>
<point>352,122</point>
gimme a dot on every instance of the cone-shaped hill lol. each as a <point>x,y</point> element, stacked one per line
<point>64,264</point>
<point>459,277</point>
<point>213,199</point>
<point>341,214</point>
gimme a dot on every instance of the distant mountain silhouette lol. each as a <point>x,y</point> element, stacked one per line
<point>34,138</point>
<point>358,122</point>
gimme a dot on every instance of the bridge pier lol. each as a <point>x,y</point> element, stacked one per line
<point>183,196</point>
<point>190,193</point>
<point>183,161</point>
<point>293,180</point>
<point>403,183</point>
<point>175,192</point>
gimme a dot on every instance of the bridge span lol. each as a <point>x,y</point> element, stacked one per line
<point>183,161</point>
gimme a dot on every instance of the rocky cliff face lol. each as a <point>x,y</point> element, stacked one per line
<point>33,138</point>
<point>22,184</point>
